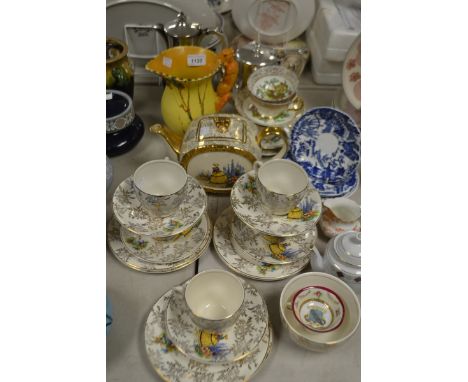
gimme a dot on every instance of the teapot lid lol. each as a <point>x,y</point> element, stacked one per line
<point>181,28</point>
<point>347,246</point>
<point>254,53</point>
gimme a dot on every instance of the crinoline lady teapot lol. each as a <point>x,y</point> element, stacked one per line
<point>217,149</point>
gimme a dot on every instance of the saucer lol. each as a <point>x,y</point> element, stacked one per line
<point>328,190</point>
<point>126,139</point>
<point>166,250</point>
<point>231,345</point>
<point>225,250</point>
<point>135,218</point>
<point>270,249</point>
<point>327,142</point>
<point>119,250</point>
<point>352,74</point>
<point>249,208</point>
<point>246,108</point>
<point>318,308</point>
<point>173,366</point>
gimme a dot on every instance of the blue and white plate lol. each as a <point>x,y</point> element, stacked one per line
<point>339,190</point>
<point>328,143</point>
<point>326,190</point>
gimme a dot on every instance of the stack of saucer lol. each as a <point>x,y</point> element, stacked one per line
<point>270,100</point>
<point>160,222</point>
<point>215,327</point>
<point>269,233</point>
<point>327,144</point>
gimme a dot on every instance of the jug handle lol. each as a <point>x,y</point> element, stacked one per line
<point>174,140</point>
<point>231,72</point>
<point>266,131</point>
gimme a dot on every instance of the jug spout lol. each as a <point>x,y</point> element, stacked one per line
<point>174,140</point>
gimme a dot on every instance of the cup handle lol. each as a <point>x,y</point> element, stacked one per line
<point>257,165</point>
<point>274,131</point>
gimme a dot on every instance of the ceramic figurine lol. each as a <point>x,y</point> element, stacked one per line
<point>119,70</point>
<point>219,149</point>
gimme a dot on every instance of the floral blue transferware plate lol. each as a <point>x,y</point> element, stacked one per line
<point>328,142</point>
<point>330,190</point>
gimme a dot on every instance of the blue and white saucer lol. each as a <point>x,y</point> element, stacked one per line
<point>331,190</point>
<point>327,143</point>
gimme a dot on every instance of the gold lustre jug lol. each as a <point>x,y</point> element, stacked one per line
<point>188,94</point>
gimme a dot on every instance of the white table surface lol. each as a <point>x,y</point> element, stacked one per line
<point>134,293</point>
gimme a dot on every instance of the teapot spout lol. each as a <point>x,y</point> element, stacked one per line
<point>174,140</point>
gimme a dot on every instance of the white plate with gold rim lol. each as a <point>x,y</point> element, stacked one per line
<point>119,250</point>
<point>224,249</point>
<point>230,345</point>
<point>271,249</point>
<point>246,108</point>
<point>248,207</point>
<point>169,250</point>
<point>131,214</point>
<point>171,365</point>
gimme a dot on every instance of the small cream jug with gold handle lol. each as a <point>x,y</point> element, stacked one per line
<point>217,149</point>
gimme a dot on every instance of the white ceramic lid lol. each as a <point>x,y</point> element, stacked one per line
<point>347,246</point>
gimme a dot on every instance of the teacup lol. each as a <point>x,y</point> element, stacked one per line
<point>160,186</point>
<point>273,85</point>
<point>281,185</point>
<point>214,299</point>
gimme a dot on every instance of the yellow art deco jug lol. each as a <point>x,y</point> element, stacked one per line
<point>189,92</point>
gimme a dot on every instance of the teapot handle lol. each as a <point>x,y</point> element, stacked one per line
<point>265,132</point>
<point>216,32</point>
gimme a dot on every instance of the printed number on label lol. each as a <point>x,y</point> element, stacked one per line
<point>196,60</point>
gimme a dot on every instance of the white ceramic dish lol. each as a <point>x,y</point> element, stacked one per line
<point>318,308</point>
<point>173,366</point>
<point>320,341</point>
<point>122,254</point>
<point>273,21</point>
